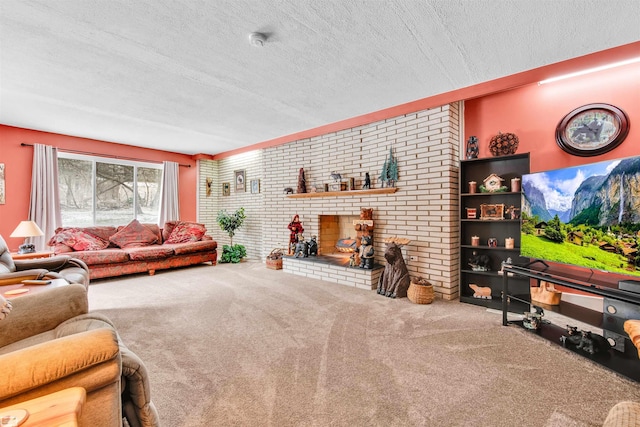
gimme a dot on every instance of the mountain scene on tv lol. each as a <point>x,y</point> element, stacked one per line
<point>586,215</point>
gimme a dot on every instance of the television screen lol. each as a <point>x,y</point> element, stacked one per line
<point>587,215</point>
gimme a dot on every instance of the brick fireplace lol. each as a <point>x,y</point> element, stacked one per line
<point>424,209</point>
<point>332,263</point>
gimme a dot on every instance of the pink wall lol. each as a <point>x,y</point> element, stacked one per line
<point>532,112</point>
<point>18,161</point>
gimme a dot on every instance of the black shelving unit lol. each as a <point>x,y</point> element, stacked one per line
<point>622,358</point>
<point>506,167</point>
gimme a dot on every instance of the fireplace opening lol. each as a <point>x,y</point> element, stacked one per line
<point>337,236</point>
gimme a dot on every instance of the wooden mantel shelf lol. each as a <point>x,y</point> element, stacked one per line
<point>370,192</point>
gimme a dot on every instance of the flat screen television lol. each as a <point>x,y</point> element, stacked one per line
<point>586,216</point>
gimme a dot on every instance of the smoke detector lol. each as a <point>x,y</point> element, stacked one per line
<point>257,39</point>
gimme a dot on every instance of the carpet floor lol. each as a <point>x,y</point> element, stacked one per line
<point>242,345</point>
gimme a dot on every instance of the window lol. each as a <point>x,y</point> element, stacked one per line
<point>100,191</point>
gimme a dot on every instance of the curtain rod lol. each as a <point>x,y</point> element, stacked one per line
<point>88,153</point>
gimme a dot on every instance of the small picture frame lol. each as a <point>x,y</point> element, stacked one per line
<point>255,186</point>
<point>492,211</point>
<point>240,181</point>
<point>226,188</point>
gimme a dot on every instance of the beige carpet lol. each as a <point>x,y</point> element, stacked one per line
<point>242,345</point>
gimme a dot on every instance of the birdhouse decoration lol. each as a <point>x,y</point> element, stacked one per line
<point>493,184</point>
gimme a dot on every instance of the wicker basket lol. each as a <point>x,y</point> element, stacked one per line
<point>420,294</point>
<point>274,259</point>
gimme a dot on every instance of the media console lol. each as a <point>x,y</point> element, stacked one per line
<point>618,306</point>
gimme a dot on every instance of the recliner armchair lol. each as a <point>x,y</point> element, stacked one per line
<point>65,267</point>
<point>49,341</point>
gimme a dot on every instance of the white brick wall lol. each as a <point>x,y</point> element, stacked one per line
<point>424,209</point>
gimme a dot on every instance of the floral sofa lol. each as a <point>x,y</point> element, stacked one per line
<point>136,247</point>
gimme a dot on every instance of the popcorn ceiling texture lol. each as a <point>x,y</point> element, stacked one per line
<point>424,209</point>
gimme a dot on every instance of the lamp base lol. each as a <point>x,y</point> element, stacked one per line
<point>27,248</point>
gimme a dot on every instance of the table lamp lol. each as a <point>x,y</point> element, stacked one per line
<point>27,229</point>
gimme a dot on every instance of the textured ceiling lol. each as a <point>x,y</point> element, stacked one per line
<point>181,75</point>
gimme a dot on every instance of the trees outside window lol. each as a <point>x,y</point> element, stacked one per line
<point>99,191</point>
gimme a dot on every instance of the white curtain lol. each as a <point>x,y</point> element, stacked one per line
<point>44,207</point>
<point>169,205</point>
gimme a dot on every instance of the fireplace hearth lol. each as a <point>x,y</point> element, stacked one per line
<point>338,240</point>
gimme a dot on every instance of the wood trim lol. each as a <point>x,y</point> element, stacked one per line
<point>352,193</point>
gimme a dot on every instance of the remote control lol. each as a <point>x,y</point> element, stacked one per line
<point>36,282</point>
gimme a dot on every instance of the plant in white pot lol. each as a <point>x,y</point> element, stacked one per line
<point>230,223</point>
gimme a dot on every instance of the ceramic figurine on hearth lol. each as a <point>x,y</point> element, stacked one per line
<point>366,253</point>
<point>302,248</point>
<point>313,246</point>
<point>295,228</point>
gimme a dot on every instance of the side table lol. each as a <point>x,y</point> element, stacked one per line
<point>19,289</point>
<point>60,409</point>
<point>32,255</point>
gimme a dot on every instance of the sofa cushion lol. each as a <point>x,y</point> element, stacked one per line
<point>105,256</point>
<point>168,228</point>
<point>78,239</point>
<point>101,231</point>
<point>134,234</point>
<point>145,253</point>
<point>192,247</point>
<point>155,230</point>
<point>186,231</point>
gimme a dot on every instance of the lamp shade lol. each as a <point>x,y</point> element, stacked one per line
<point>27,229</point>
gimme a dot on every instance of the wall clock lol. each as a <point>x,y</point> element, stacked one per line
<point>592,129</point>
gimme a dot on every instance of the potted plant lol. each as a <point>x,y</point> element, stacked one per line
<point>230,223</point>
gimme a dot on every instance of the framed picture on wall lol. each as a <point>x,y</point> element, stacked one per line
<point>226,188</point>
<point>240,181</point>
<point>255,185</point>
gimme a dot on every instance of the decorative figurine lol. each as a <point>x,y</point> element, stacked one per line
<point>367,181</point>
<point>483,292</point>
<point>395,279</point>
<point>532,320</point>
<point>352,260</point>
<point>302,247</point>
<point>573,336</point>
<point>472,147</point>
<point>366,253</point>
<point>493,184</point>
<point>479,262</point>
<point>295,226</point>
<point>389,173</point>
<point>288,190</point>
<point>512,212</point>
<point>336,176</point>
<point>302,182</point>
<point>593,343</point>
<point>313,246</point>
<point>585,340</point>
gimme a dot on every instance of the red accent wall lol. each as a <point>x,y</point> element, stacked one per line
<point>532,112</point>
<point>18,161</point>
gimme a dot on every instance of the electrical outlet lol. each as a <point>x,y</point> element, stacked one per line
<point>413,258</point>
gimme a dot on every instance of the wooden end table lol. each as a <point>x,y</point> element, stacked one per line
<point>32,255</point>
<point>61,409</point>
<point>19,289</point>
